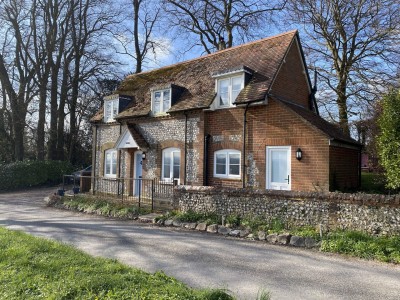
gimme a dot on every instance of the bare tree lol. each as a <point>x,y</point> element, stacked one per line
<point>143,42</point>
<point>16,72</point>
<point>138,39</point>
<point>354,45</point>
<point>91,21</point>
<point>217,23</point>
<point>51,49</point>
<point>50,22</point>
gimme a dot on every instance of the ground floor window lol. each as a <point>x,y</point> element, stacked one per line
<point>110,163</point>
<point>171,163</point>
<point>227,163</point>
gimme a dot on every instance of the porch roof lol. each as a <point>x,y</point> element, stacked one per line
<point>131,138</point>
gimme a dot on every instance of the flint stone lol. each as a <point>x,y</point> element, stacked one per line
<point>223,230</point>
<point>201,226</point>
<point>244,233</point>
<point>250,237</point>
<point>272,238</point>
<point>261,235</point>
<point>168,222</point>
<point>190,225</point>
<point>177,223</point>
<point>234,233</point>
<point>284,238</point>
<point>212,228</point>
<point>297,241</point>
<point>310,242</point>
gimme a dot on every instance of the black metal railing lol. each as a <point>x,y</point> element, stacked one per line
<point>153,193</point>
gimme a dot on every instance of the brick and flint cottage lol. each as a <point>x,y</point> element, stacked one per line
<point>240,117</point>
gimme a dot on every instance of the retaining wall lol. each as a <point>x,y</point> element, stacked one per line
<point>375,214</point>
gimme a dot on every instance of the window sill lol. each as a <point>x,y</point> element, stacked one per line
<point>228,178</point>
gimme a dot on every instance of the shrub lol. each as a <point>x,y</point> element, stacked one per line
<point>233,220</point>
<point>192,216</point>
<point>255,223</point>
<point>389,138</point>
<point>24,174</point>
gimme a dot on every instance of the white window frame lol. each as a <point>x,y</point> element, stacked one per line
<point>108,160</point>
<point>230,89</point>
<point>162,111</point>
<point>170,152</point>
<point>114,107</point>
<point>227,153</point>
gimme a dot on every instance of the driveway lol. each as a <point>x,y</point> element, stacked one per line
<point>205,260</point>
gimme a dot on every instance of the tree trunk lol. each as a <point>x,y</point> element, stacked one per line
<point>18,119</point>
<point>17,111</point>
<point>342,106</point>
<point>72,114</point>
<point>41,120</point>
<point>61,113</point>
<point>52,148</point>
<point>138,53</point>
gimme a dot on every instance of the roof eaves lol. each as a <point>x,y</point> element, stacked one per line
<point>346,140</point>
<point>124,117</point>
<point>188,109</point>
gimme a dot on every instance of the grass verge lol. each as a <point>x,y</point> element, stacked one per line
<point>358,244</point>
<point>373,183</point>
<point>94,205</point>
<point>35,268</point>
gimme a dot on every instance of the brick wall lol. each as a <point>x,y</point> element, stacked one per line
<point>269,125</point>
<point>291,81</point>
<point>225,127</point>
<point>344,168</point>
<point>375,214</point>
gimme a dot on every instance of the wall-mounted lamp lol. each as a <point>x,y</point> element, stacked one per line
<point>143,155</point>
<point>299,154</point>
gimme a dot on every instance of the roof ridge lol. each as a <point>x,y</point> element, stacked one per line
<point>294,31</point>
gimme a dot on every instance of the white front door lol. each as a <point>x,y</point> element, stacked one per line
<point>278,168</point>
<point>137,173</point>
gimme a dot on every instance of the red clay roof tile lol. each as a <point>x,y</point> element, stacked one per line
<point>263,57</point>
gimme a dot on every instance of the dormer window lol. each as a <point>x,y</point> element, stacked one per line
<point>161,101</point>
<point>113,105</point>
<point>228,89</point>
<point>110,110</point>
<point>228,84</point>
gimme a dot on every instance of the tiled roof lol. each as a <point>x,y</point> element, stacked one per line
<point>262,57</point>
<point>329,129</point>
<point>139,139</point>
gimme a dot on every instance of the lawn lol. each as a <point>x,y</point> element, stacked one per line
<point>373,183</point>
<point>36,268</point>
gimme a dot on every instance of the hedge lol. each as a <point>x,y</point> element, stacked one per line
<point>24,174</point>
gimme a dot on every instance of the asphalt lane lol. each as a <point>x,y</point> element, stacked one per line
<point>205,260</point>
